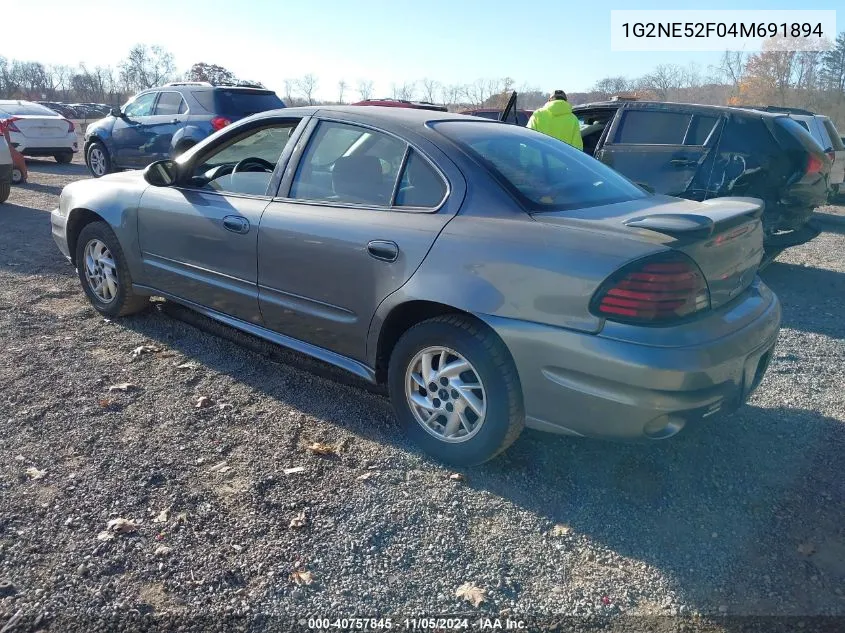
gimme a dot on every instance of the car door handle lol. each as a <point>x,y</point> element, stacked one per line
<point>383,250</point>
<point>683,162</point>
<point>236,224</point>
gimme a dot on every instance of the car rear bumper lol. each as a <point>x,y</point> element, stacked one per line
<point>58,226</point>
<point>590,385</point>
<point>45,146</point>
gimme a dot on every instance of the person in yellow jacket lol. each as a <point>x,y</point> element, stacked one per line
<point>556,119</point>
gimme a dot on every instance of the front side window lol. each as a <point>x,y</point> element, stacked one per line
<point>245,164</point>
<point>543,173</point>
<point>348,164</point>
<point>141,106</point>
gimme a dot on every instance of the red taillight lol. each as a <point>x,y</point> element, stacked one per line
<point>814,165</point>
<point>219,122</point>
<point>10,124</point>
<point>70,127</point>
<point>654,290</point>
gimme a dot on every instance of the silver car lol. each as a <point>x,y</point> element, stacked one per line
<point>491,276</point>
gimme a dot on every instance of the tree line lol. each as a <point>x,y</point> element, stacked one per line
<point>807,78</point>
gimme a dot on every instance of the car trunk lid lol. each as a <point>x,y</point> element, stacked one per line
<point>41,126</point>
<point>723,236</point>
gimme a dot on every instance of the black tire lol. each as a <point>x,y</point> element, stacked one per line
<point>107,163</point>
<point>124,302</point>
<point>5,190</point>
<point>491,360</point>
<point>64,158</point>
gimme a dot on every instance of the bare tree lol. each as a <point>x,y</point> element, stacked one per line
<point>663,81</point>
<point>451,94</point>
<point>290,86</point>
<point>365,89</point>
<point>146,67</point>
<point>612,85</point>
<point>430,87</point>
<point>341,88</point>
<point>404,91</point>
<point>307,85</point>
<point>212,73</point>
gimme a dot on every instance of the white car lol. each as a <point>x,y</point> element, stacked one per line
<point>5,170</point>
<point>38,131</point>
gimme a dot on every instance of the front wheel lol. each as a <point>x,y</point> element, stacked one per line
<point>455,390</point>
<point>104,273</point>
<point>98,160</point>
<point>17,176</point>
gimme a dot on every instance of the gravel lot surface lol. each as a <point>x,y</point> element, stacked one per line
<point>743,516</point>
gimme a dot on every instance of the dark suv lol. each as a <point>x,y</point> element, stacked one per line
<point>700,152</point>
<point>163,122</point>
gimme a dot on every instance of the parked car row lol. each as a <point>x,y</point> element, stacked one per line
<point>35,130</point>
<point>78,110</point>
<point>491,277</point>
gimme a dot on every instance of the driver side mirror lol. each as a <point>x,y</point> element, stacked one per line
<point>117,113</point>
<point>162,173</point>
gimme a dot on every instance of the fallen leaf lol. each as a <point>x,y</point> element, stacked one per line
<point>301,577</point>
<point>298,521</point>
<point>294,470</point>
<point>122,386</point>
<point>470,593</point>
<point>222,467</point>
<point>561,530</point>
<point>121,526</point>
<point>187,366</point>
<point>457,477</point>
<point>34,473</point>
<point>141,350</point>
<point>320,448</point>
<point>365,476</point>
<point>162,550</point>
<point>105,403</point>
<point>203,402</point>
<point>806,549</point>
<point>162,516</point>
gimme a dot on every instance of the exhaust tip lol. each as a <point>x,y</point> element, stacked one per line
<point>663,427</point>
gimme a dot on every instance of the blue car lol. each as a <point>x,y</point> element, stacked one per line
<point>164,122</point>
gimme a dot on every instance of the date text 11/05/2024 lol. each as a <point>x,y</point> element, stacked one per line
<point>721,29</point>
<point>415,624</point>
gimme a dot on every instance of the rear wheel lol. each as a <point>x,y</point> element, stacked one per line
<point>5,190</point>
<point>104,273</point>
<point>17,176</point>
<point>63,158</point>
<point>98,160</point>
<point>455,390</point>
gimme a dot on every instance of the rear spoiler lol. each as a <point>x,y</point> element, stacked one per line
<point>724,212</point>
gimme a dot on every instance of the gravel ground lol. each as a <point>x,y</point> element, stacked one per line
<point>741,517</point>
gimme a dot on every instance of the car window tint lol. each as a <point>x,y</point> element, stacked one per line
<point>650,127</point>
<point>348,164</point>
<point>420,185</point>
<point>835,140</point>
<point>700,129</point>
<point>169,103</point>
<point>264,146</point>
<point>542,172</point>
<point>802,124</point>
<point>142,106</point>
<point>747,135</point>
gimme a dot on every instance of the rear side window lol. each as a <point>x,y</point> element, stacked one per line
<point>748,135</point>
<point>835,140</point>
<point>700,129</point>
<point>170,103</point>
<point>421,185</point>
<point>652,127</point>
<point>238,103</point>
<point>543,173</point>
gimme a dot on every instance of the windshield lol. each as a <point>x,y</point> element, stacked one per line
<point>543,173</point>
<point>25,109</point>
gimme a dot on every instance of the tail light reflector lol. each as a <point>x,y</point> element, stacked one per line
<point>655,290</point>
<point>70,127</point>
<point>10,124</point>
<point>219,122</point>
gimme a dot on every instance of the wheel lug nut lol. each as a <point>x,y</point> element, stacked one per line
<point>436,402</point>
<point>444,381</point>
<point>432,387</point>
<point>450,407</point>
<point>455,394</point>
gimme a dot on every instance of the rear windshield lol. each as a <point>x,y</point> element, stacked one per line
<point>25,109</point>
<point>238,103</point>
<point>835,140</point>
<point>543,173</point>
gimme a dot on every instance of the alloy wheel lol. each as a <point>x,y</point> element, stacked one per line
<point>97,161</point>
<point>100,271</point>
<point>445,394</point>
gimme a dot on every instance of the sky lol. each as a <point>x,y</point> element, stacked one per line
<point>544,44</point>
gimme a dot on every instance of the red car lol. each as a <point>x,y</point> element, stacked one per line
<point>402,103</point>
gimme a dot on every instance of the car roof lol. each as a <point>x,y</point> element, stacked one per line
<point>698,106</point>
<point>408,116</point>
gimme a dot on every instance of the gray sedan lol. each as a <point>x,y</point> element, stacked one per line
<point>491,276</point>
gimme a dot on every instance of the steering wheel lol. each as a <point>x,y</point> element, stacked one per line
<point>265,165</point>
